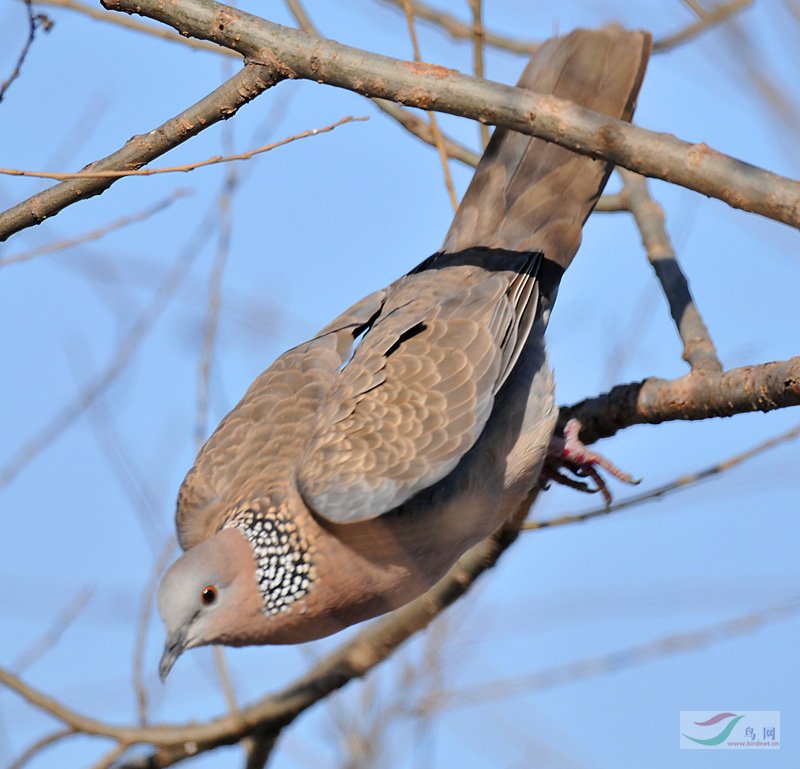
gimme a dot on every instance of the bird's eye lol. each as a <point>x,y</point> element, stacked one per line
<point>208,595</point>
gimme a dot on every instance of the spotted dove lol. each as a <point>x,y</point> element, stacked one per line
<point>361,464</point>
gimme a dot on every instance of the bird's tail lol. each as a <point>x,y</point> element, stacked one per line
<point>528,194</point>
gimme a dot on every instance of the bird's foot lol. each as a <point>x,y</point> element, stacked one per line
<point>571,455</point>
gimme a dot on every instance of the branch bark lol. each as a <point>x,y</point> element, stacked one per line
<point>698,395</point>
<point>698,349</point>
<point>296,54</point>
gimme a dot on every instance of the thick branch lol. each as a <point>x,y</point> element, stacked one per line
<point>698,349</point>
<point>296,54</point>
<point>220,104</point>
<point>698,395</point>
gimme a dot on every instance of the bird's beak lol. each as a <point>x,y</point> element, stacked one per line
<point>173,648</point>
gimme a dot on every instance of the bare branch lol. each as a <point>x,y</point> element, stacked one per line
<point>438,138</point>
<point>682,482</point>
<point>111,757</point>
<point>624,658</point>
<point>459,30</point>
<point>184,168</point>
<point>259,750</point>
<point>706,20</point>
<point>142,626</point>
<point>220,104</point>
<point>411,122</point>
<point>478,36</point>
<point>660,155</point>
<point>123,221</point>
<point>698,349</point>
<point>53,635</point>
<point>34,21</point>
<point>698,395</point>
<point>98,384</point>
<point>137,26</point>
<point>44,742</point>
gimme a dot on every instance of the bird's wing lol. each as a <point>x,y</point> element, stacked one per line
<point>258,442</point>
<point>418,389</point>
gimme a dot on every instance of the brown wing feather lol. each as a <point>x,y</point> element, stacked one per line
<point>258,443</point>
<point>420,387</point>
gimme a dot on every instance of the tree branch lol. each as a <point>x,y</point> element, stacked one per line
<point>186,167</point>
<point>698,349</point>
<point>220,104</point>
<point>708,20</point>
<point>34,21</point>
<point>698,395</point>
<point>96,234</point>
<point>296,54</point>
<point>459,30</point>
<point>406,118</point>
<point>659,492</point>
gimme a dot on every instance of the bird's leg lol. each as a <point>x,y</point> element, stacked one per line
<point>570,454</point>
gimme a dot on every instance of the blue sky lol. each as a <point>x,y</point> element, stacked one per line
<point>313,227</point>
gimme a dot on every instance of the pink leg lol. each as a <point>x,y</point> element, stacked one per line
<point>571,454</point>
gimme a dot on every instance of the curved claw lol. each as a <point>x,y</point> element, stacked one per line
<point>571,454</point>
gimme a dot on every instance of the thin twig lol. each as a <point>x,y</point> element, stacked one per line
<point>751,67</point>
<point>211,323</point>
<point>694,5</point>
<point>706,21</point>
<point>184,168</point>
<point>137,26</point>
<point>96,234</point>
<point>213,303</point>
<point>459,30</point>
<point>698,348</point>
<point>220,104</point>
<point>610,203</point>
<point>142,627</point>
<point>478,34</point>
<point>111,757</point>
<point>133,482</point>
<point>677,643</point>
<point>406,118</point>
<point>100,383</point>
<point>34,21</point>
<point>438,139</point>
<point>52,636</point>
<point>225,680</point>
<point>682,482</point>
<point>36,747</point>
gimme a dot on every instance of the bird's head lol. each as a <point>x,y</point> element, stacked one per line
<point>207,592</point>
